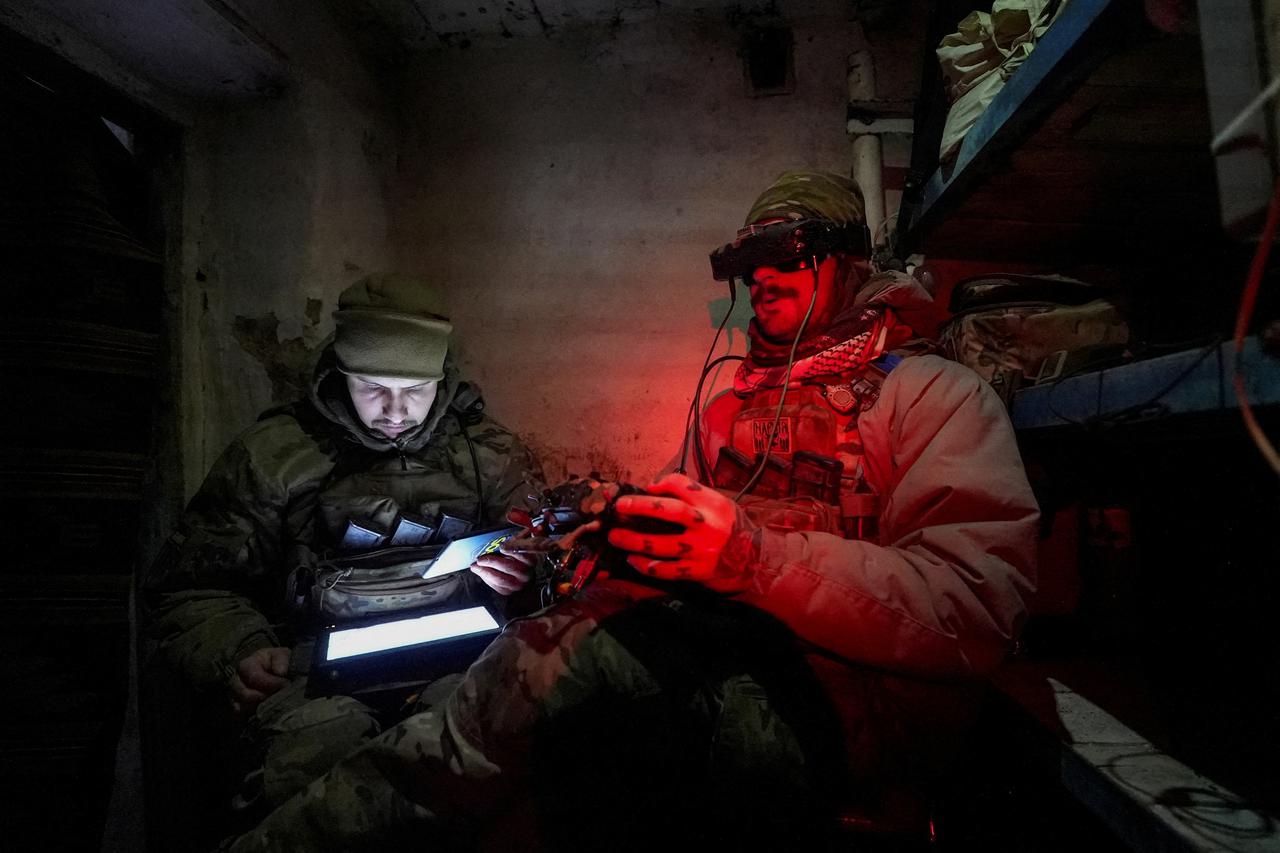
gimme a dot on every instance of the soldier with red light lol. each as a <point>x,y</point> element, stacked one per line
<point>892,527</point>
<point>856,548</point>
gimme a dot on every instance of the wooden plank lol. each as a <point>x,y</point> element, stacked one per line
<point>1132,121</point>
<point>1189,130</point>
<point>66,599</point>
<point>1125,148</point>
<point>1054,200</point>
<point>1166,62</point>
<point>1109,163</point>
<point>72,473</point>
<point>1051,245</point>
<point>36,342</point>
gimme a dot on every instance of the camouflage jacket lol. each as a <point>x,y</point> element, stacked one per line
<point>278,493</point>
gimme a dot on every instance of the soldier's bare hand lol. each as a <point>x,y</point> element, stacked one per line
<point>707,547</point>
<point>502,572</point>
<point>257,676</point>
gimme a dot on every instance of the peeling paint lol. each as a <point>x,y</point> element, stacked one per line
<point>547,29</point>
<point>287,363</point>
<point>560,462</point>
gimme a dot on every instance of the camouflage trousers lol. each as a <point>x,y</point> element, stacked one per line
<point>606,721</point>
<point>300,738</point>
<point>295,739</point>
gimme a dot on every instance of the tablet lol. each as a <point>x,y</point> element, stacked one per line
<point>460,553</point>
<point>411,646</point>
<point>396,634</point>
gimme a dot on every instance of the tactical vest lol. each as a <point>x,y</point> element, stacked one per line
<point>814,478</point>
<point>378,521</point>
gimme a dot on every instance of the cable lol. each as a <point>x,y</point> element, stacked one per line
<point>884,224</point>
<point>1247,301</point>
<point>475,465</point>
<point>1137,353</point>
<point>1224,136</point>
<point>692,418</point>
<point>1244,316</point>
<point>704,468</point>
<point>786,380</point>
<point>1121,414</point>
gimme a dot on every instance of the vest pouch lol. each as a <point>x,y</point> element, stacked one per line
<point>358,523</point>
<point>380,582</point>
<point>377,497</point>
<point>816,476</point>
<point>861,511</point>
<point>806,423</point>
<point>792,514</point>
<point>809,475</point>
<point>732,471</point>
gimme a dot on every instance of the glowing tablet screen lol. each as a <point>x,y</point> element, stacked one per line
<point>385,636</point>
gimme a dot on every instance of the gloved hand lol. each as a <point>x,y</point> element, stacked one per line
<point>504,573</point>
<point>257,676</point>
<point>716,545</point>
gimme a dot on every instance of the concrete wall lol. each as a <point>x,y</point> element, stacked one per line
<point>286,201</point>
<point>566,192</point>
<point>565,188</point>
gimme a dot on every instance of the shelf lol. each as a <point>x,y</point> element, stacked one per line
<point>1198,380</point>
<point>1149,798</point>
<point>1097,143</point>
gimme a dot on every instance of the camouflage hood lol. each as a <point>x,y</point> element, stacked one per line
<point>901,293</point>
<point>329,395</point>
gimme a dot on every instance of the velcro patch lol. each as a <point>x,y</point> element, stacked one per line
<point>760,428</point>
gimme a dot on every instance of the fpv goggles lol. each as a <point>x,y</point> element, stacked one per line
<point>784,242</point>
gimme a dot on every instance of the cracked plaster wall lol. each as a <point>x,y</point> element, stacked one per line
<point>286,203</point>
<point>565,190</point>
